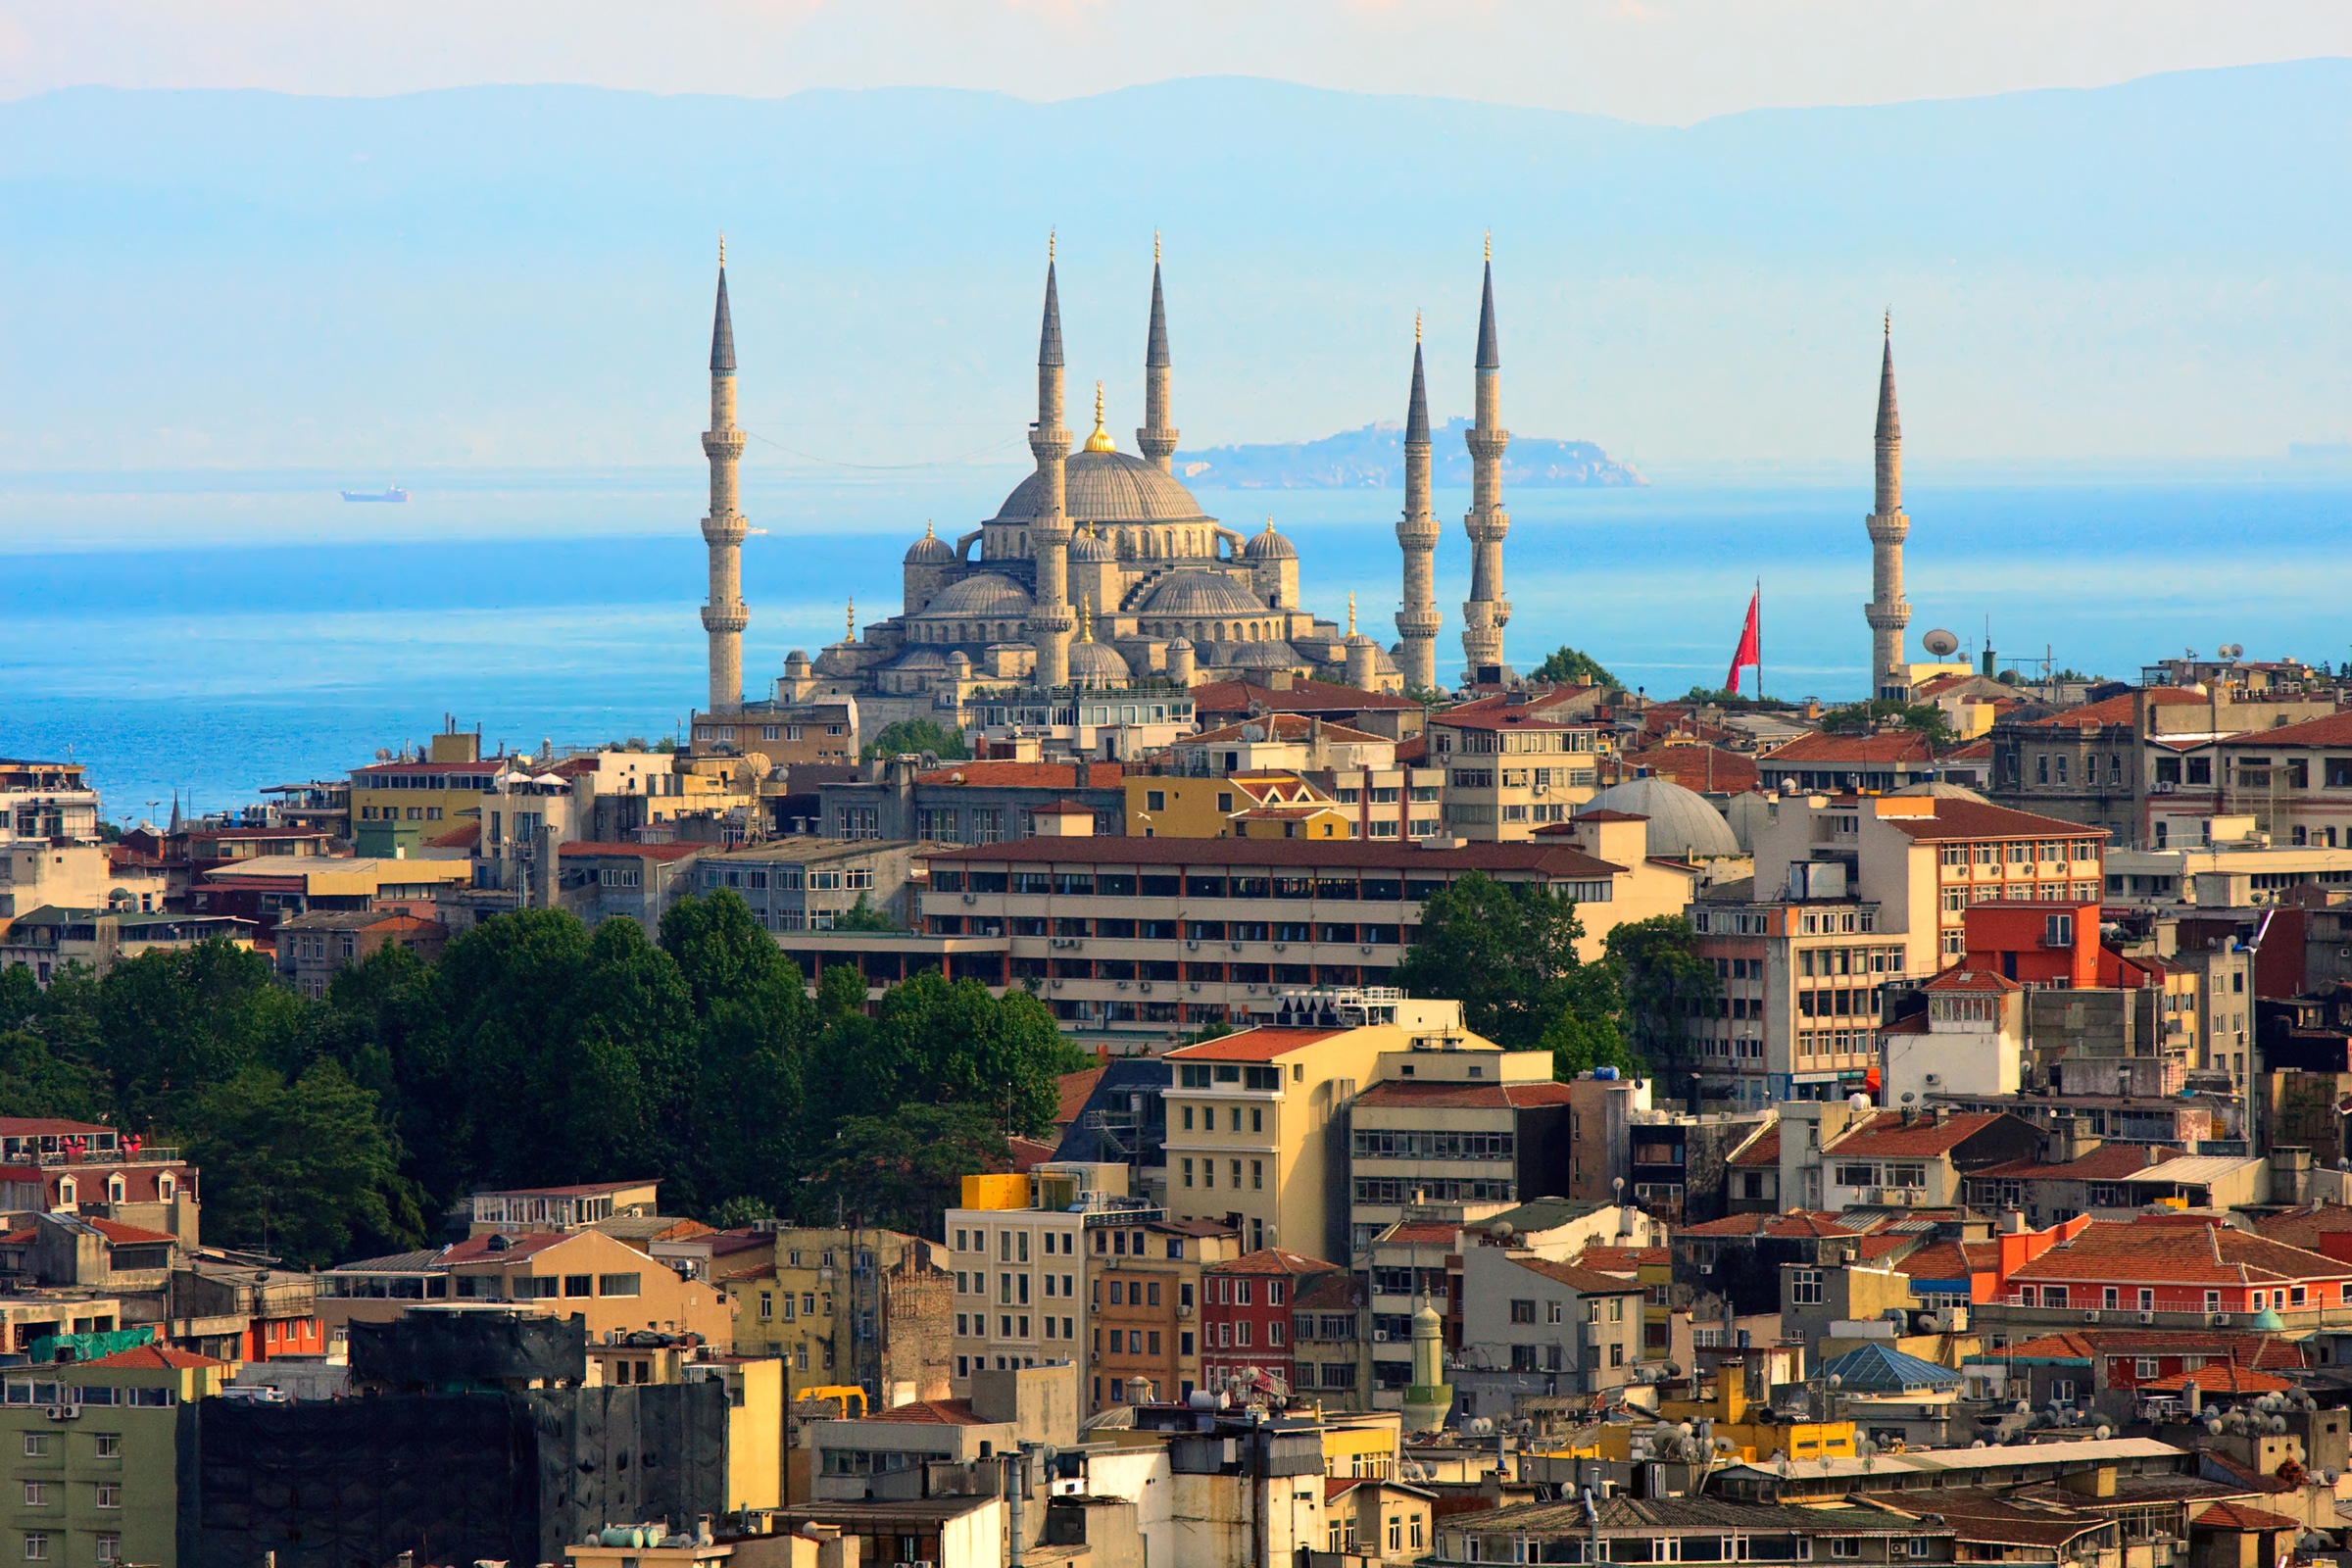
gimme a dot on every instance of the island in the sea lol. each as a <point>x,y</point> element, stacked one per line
<point>1373,458</point>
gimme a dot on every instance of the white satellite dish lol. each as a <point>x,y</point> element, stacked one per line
<point>1943,644</point>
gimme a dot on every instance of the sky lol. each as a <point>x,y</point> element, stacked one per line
<point>1659,61</point>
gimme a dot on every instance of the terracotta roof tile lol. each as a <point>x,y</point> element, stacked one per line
<point>1977,819</point>
<point>1583,1281</point>
<point>1886,1135</point>
<point>155,1358</point>
<point>1252,1044</point>
<point>2107,1163</point>
<point>1075,1088</point>
<point>1463,1096</point>
<point>2237,1516</point>
<point>2114,709</point>
<point>1888,745</point>
<point>1762,1150</point>
<point>128,1235</point>
<point>1271,1260</point>
<point>2333,730</point>
<point>1302,697</point>
<point>2173,1252</point>
<point>933,1412</point>
<point>2220,1379</point>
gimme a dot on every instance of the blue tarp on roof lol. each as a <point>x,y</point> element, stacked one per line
<point>1882,1369</point>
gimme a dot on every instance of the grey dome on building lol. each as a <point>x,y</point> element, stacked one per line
<point>1681,824</point>
<point>1270,545</point>
<point>1266,656</point>
<point>930,551</point>
<point>1107,487</point>
<point>1089,547</point>
<point>986,594</point>
<point>1199,593</point>
<point>1097,667</point>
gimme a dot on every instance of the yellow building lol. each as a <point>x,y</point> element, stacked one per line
<point>1362,1447</point>
<point>1750,1439</point>
<point>1250,805</point>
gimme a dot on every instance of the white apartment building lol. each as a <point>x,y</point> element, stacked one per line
<point>1509,772</point>
<point>1017,1247</point>
<point>44,800</point>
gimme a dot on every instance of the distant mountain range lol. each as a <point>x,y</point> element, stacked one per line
<point>1372,458</point>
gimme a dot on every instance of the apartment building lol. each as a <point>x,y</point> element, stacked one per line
<point>2295,781</point>
<point>312,948</point>
<point>1880,763</point>
<point>1130,940</point>
<point>808,884</point>
<point>985,802</point>
<point>1509,772</point>
<point>1454,1119</point>
<point>1103,724</point>
<point>48,938</point>
<point>398,805</point>
<point>76,876</point>
<point>1260,804</point>
<point>777,732</point>
<point>1223,701</point>
<point>1908,1158</point>
<point>92,1466</point>
<point>1849,894</point>
<point>1143,1298</point>
<point>273,887</point>
<point>1295,742</point>
<point>1534,1325</point>
<point>1019,1246</point>
<point>631,881</point>
<point>43,802</point>
<point>1247,1308</point>
<point>867,1306</point>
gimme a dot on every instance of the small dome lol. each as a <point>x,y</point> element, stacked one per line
<point>918,659</point>
<point>986,593</point>
<point>1275,655</point>
<point>959,662</point>
<point>1199,593</point>
<point>1941,790</point>
<point>1182,641</point>
<point>1098,665</point>
<point>1681,824</point>
<point>1357,639</point>
<point>797,659</point>
<point>1091,546</point>
<point>1270,545</point>
<point>930,551</point>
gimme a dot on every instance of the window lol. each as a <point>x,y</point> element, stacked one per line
<point>1804,1287</point>
<point>617,1283</point>
<point>1522,1311</point>
<point>110,1446</point>
<point>110,1494</point>
<point>36,1545</point>
<point>110,1547</point>
<point>36,1494</point>
<point>36,1443</point>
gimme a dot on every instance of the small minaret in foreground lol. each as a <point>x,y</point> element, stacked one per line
<point>1050,622</point>
<point>1156,438</point>
<point>1417,533</point>
<point>1488,611</point>
<point>1888,611</point>
<point>725,616</point>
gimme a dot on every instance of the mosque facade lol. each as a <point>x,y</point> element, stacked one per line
<point>1101,571</point>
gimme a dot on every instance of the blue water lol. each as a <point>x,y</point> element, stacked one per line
<point>212,635</point>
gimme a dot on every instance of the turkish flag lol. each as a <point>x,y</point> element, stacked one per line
<point>1750,652</point>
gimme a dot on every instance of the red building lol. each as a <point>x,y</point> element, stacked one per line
<point>2189,1264</point>
<point>1246,1315</point>
<point>2036,943</point>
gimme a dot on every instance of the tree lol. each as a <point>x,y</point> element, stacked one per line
<point>864,916</point>
<point>915,736</point>
<point>905,1170</point>
<point>944,1043</point>
<point>1665,983</point>
<point>1925,718</point>
<point>754,1022</point>
<point>172,1023</point>
<point>1569,667</point>
<point>1508,951</point>
<point>299,1169</point>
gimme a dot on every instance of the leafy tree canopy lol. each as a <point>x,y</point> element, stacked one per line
<point>1859,717</point>
<point>1566,665</point>
<point>915,736</point>
<point>905,1170</point>
<point>1508,950</point>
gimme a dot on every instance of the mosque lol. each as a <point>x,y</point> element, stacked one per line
<point>1101,572</point>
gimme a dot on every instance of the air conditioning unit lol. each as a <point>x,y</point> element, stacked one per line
<point>971,898</point>
<point>64,1412</point>
<point>1143,984</point>
<point>2219,1320</point>
<point>2147,1318</point>
<point>1194,984</point>
<point>1282,946</point>
<point>1192,946</point>
<point>2091,1316</point>
<point>1122,985</point>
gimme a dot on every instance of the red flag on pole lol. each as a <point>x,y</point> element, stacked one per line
<point>1750,652</point>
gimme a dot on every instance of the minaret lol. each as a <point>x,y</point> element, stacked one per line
<point>1049,619</point>
<point>1488,611</point>
<point>1417,533</point>
<point>725,616</point>
<point>1156,438</point>
<point>1888,611</point>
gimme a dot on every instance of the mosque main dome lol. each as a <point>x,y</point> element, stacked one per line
<point>1106,487</point>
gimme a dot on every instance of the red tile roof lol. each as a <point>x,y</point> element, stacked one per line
<point>1977,819</point>
<point>1622,1259</point>
<point>1003,776</point>
<point>2237,1516</point>
<point>2107,1163</point>
<point>2303,1227</point>
<point>1545,859</point>
<point>1513,719</point>
<point>465,836</point>
<point>2177,1253</point>
<point>2114,709</point>
<point>933,1412</point>
<point>1694,767</point>
<point>2333,730</point>
<point>1950,1260</point>
<point>1885,1135</point>
<point>1972,980</point>
<point>1271,1260</point>
<point>641,852</point>
<point>477,1249</point>
<point>1252,1044</point>
<point>123,1235</point>
<point>46,1126</point>
<point>1762,1150</point>
<point>1423,1232</point>
<point>1797,1223</point>
<point>2221,1379</point>
<point>1075,1088</point>
<point>155,1358</point>
<point>1886,746</point>
<point>1284,727</point>
<point>1462,1096</point>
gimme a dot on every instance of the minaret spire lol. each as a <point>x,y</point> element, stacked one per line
<point>723,528</point>
<point>1888,611</point>
<point>1417,536</point>
<point>1487,613</point>
<point>1051,620</point>
<point>1155,439</point>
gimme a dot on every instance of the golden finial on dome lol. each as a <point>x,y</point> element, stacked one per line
<point>1416,327</point>
<point>927,533</point>
<point>1086,618</point>
<point>1156,247</point>
<point>1100,440</point>
<point>1049,247</point>
<point>848,622</point>
<point>1350,612</point>
<point>722,250</point>
<point>1490,245</point>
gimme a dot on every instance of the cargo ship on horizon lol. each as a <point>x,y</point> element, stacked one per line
<point>391,493</point>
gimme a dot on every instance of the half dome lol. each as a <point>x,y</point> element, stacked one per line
<point>985,593</point>
<point>1199,593</point>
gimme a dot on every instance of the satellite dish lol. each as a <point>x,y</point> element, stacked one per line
<point>1943,644</point>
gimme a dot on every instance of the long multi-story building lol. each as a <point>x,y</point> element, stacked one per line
<point>1849,894</point>
<point>1129,940</point>
<point>45,800</point>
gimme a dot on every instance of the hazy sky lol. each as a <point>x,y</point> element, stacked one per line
<point>1652,60</point>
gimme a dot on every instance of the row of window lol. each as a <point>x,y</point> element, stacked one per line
<point>1372,887</point>
<point>975,1324</point>
<point>1013,1243</point>
<point>1392,1191</point>
<point>1209,1173</point>
<point>1382,1143</point>
<point>789,878</point>
<point>109,1544</point>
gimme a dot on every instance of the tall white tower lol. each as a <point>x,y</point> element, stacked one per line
<point>1050,622</point>
<point>723,530</point>
<point>1888,611</point>
<point>1488,611</point>
<point>1417,536</point>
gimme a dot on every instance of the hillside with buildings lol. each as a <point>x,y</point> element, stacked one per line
<point>1372,458</point>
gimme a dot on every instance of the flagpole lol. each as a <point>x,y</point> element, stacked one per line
<point>1759,604</point>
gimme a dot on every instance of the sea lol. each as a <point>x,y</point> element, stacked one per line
<point>197,636</point>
